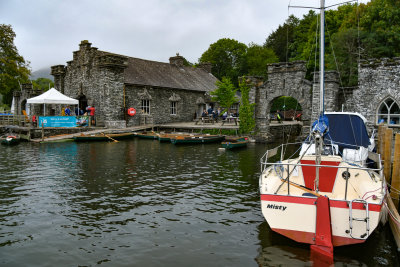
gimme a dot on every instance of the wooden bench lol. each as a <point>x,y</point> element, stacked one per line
<point>231,120</point>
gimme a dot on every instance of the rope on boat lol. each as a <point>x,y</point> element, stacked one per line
<point>391,214</point>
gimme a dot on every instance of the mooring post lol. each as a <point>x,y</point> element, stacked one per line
<point>388,154</point>
<point>42,132</point>
<point>381,131</point>
<point>394,194</point>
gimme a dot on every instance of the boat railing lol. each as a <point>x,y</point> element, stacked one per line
<point>290,167</point>
<point>273,152</point>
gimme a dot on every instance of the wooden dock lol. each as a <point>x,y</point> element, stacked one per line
<point>391,170</point>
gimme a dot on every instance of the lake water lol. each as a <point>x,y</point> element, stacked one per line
<point>145,203</point>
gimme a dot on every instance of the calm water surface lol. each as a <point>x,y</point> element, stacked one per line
<point>142,203</point>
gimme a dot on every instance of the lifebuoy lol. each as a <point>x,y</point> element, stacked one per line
<point>131,112</point>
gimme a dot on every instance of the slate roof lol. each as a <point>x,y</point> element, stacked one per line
<point>146,72</point>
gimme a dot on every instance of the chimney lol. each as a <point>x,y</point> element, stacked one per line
<point>177,60</point>
<point>206,66</point>
<point>84,45</point>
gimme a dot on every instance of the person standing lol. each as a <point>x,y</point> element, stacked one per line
<point>91,111</point>
<point>67,111</point>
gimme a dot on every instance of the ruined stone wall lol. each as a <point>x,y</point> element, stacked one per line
<point>160,104</point>
<point>378,79</point>
<point>284,79</point>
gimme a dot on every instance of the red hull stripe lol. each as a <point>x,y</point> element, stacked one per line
<point>311,201</point>
<point>307,237</point>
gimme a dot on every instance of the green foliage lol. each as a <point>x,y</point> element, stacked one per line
<point>279,39</point>
<point>227,57</point>
<point>43,84</point>
<point>378,36</point>
<point>246,110</point>
<point>13,68</point>
<point>284,103</point>
<point>225,94</point>
<point>257,59</point>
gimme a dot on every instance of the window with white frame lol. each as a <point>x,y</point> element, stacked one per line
<point>173,107</point>
<point>145,106</point>
<point>389,112</point>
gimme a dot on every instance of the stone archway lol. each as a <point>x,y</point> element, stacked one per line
<point>284,79</point>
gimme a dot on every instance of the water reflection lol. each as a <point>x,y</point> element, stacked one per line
<point>141,202</point>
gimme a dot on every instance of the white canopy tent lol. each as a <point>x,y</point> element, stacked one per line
<point>52,96</point>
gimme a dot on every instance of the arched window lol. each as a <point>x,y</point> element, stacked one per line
<point>389,112</point>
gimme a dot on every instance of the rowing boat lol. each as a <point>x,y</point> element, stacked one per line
<point>197,139</point>
<point>102,137</point>
<point>235,142</point>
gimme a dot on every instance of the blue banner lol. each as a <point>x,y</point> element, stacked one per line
<point>63,121</point>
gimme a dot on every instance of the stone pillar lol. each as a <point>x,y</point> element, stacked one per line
<point>58,72</point>
<point>331,93</point>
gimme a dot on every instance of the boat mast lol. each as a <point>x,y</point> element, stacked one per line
<point>322,59</point>
<point>319,136</point>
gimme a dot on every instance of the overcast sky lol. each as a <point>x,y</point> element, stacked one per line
<point>48,31</point>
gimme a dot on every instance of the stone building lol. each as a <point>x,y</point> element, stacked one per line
<point>377,96</point>
<point>159,92</point>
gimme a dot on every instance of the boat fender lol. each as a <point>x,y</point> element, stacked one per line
<point>131,112</point>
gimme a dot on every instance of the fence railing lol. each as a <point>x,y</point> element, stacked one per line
<point>20,120</point>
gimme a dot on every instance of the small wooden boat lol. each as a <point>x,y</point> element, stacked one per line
<point>10,139</point>
<point>235,142</point>
<point>168,136</point>
<point>147,135</point>
<point>103,137</point>
<point>197,139</point>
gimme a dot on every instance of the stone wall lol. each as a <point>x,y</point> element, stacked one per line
<point>96,79</point>
<point>284,79</point>
<point>160,104</point>
<point>331,93</point>
<point>378,79</point>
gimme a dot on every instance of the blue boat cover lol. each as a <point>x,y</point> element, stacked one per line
<point>347,130</point>
<point>321,125</point>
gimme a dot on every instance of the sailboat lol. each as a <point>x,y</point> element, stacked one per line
<point>333,193</point>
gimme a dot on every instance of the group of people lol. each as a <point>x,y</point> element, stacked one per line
<point>217,114</point>
<point>90,110</point>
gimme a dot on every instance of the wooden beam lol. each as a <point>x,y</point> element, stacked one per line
<point>388,154</point>
<point>395,185</point>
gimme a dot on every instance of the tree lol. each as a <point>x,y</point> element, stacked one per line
<point>225,94</point>
<point>280,39</point>
<point>43,84</point>
<point>257,59</point>
<point>246,110</point>
<point>227,58</point>
<point>13,67</point>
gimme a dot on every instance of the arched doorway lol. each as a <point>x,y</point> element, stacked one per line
<point>83,102</point>
<point>288,107</point>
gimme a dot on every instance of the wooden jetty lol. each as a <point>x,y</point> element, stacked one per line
<point>392,175</point>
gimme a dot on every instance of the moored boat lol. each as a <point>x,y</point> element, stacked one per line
<point>197,139</point>
<point>147,135</point>
<point>334,192</point>
<point>10,139</point>
<point>166,137</point>
<point>103,137</point>
<point>235,142</point>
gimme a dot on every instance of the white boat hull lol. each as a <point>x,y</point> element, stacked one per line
<point>295,217</point>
